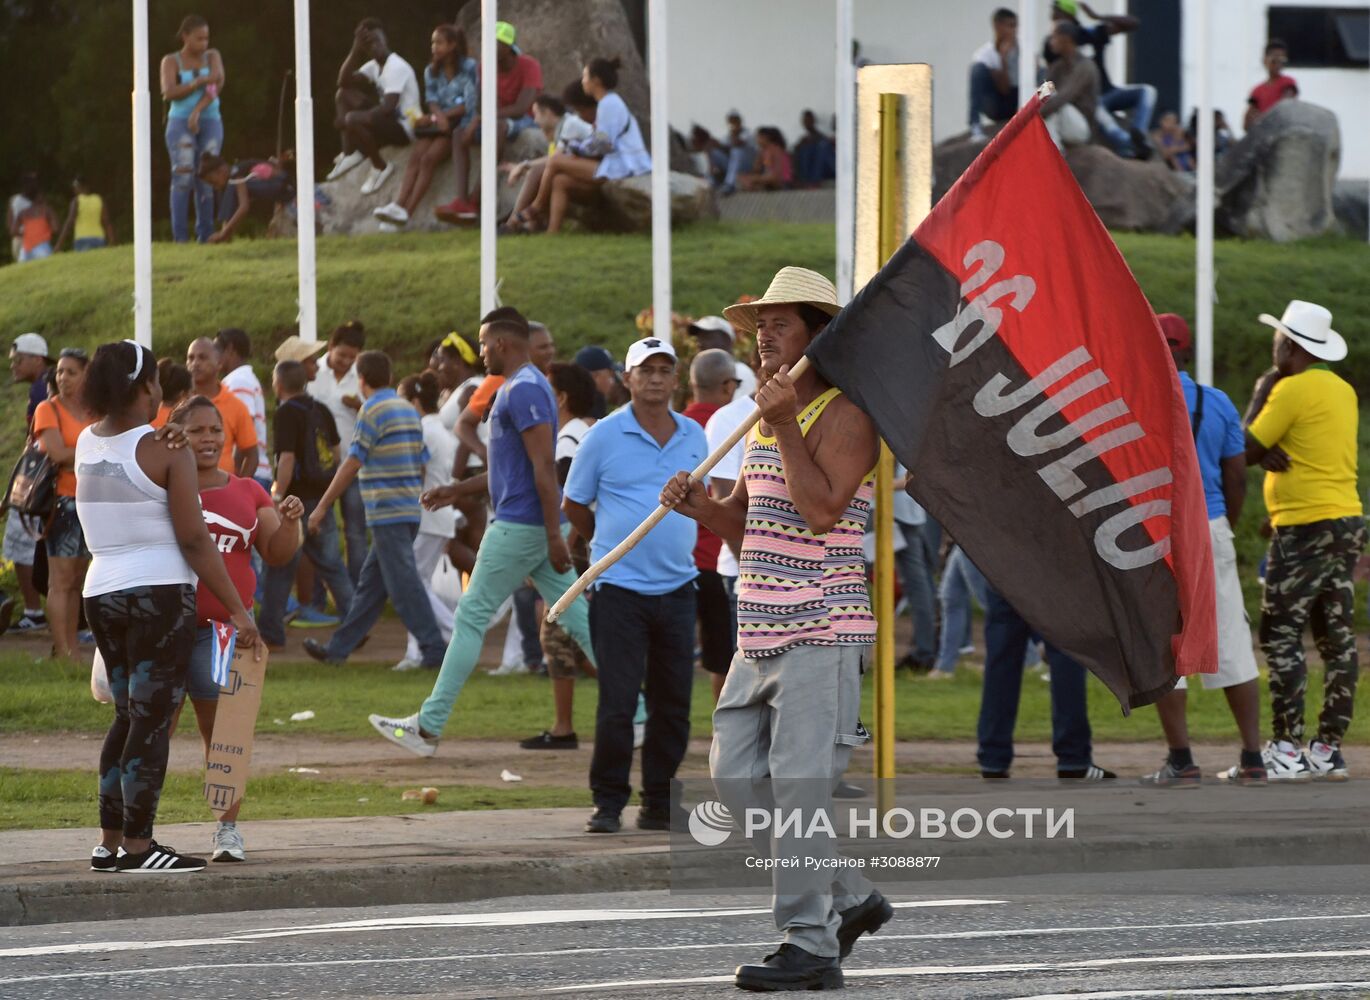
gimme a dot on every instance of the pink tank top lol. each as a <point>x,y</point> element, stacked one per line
<point>794,587</point>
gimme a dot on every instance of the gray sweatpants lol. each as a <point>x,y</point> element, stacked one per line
<point>784,730</point>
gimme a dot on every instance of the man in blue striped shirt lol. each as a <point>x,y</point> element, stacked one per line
<point>387,455</point>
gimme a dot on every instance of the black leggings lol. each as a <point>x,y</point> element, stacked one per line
<point>145,635</point>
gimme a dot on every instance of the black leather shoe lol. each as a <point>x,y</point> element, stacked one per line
<point>318,651</point>
<point>863,918</point>
<point>790,968</point>
<point>649,818</point>
<point>603,821</point>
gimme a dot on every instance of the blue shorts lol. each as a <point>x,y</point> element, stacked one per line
<point>88,243</point>
<point>64,538</point>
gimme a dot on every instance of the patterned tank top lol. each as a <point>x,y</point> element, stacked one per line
<point>794,587</point>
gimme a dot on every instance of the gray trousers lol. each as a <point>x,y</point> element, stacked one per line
<point>784,730</point>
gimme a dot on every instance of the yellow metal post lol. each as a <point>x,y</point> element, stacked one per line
<point>890,216</point>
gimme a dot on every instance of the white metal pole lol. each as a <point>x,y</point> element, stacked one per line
<point>1203,264</point>
<point>489,181</point>
<point>304,175</point>
<point>142,180</point>
<point>846,152</point>
<point>661,171</point>
<point>1028,40</point>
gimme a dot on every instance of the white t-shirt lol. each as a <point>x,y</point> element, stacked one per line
<point>724,421</point>
<point>573,128</point>
<point>987,55</point>
<point>569,438</point>
<point>907,510</point>
<point>442,452</point>
<point>397,77</point>
<point>746,381</point>
<point>329,390</point>
<point>243,383</point>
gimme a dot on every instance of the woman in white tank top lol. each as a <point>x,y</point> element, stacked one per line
<point>139,505</point>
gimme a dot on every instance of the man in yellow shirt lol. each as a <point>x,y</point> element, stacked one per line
<point>1301,429</point>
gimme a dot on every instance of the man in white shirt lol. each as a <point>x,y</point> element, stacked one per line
<point>336,387</point>
<point>368,126</point>
<point>235,372</point>
<point>994,75</point>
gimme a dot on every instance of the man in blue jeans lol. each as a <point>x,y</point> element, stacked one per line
<point>994,75</point>
<point>388,456</point>
<point>642,618</point>
<point>1139,98</point>
<point>1006,640</point>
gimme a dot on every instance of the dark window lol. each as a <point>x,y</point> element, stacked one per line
<point>1332,37</point>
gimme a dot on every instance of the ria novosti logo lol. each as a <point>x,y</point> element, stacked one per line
<point>710,823</point>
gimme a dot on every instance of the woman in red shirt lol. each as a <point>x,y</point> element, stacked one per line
<point>240,517</point>
<point>774,169</point>
<point>57,423</point>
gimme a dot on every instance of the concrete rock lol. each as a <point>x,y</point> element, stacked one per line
<point>1127,194</point>
<point>626,205</point>
<point>1351,203</point>
<point>1277,182</point>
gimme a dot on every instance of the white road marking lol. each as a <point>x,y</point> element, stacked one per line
<point>965,970</point>
<point>1214,991</point>
<point>880,973</point>
<point>512,918</point>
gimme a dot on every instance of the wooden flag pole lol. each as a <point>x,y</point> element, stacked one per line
<point>624,547</point>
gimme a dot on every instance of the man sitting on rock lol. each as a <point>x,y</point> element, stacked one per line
<point>367,125</point>
<point>518,82</point>
<point>1069,113</point>
<point>1276,86</point>
<point>994,75</point>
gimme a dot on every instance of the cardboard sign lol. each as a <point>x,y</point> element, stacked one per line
<point>235,720</point>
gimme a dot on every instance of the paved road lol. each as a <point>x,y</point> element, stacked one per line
<point>1294,931</point>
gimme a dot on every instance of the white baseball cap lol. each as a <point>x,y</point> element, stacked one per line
<point>714,324</point>
<point>648,348</point>
<point>31,343</point>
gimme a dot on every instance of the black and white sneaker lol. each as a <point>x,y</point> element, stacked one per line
<point>1084,775</point>
<point>102,859</point>
<point>157,860</point>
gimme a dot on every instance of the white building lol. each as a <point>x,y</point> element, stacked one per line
<point>771,59</point>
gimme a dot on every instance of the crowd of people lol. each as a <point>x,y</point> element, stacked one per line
<point>1089,106</point>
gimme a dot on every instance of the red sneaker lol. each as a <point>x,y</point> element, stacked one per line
<point>458,209</point>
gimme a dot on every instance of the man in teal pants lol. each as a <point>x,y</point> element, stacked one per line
<point>525,539</point>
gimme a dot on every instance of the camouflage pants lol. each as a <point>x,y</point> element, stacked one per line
<point>1308,582</point>
<point>145,635</point>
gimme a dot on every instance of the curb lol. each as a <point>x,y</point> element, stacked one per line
<point>280,885</point>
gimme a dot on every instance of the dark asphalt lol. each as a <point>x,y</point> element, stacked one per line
<point>1296,931</point>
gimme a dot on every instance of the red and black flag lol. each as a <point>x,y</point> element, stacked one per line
<point>1007,355</point>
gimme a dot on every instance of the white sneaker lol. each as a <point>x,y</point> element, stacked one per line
<point>343,164</point>
<point>393,212</point>
<point>1325,762</point>
<point>639,735</point>
<point>977,133</point>
<point>377,179</point>
<point>228,843</point>
<point>1284,762</point>
<point>509,669</point>
<point>407,664</point>
<point>405,733</point>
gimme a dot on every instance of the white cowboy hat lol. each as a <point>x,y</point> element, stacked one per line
<point>790,286</point>
<point>1310,326</point>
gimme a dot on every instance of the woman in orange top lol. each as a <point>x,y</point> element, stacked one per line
<point>35,226</point>
<point>57,423</point>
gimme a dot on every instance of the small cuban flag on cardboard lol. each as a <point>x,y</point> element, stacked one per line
<point>225,638</point>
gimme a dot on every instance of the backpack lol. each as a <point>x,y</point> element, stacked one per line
<point>317,460</point>
<point>32,489</point>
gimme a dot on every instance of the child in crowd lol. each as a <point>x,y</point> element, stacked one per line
<point>774,169</point>
<point>1276,86</point>
<point>562,127</point>
<point>238,185</point>
<point>1174,144</point>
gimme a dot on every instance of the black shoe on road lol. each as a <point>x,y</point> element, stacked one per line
<point>157,860</point>
<point>863,918</point>
<point>318,651</point>
<point>604,821</point>
<point>1085,775</point>
<point>545,740</point>
<point>791,968</point>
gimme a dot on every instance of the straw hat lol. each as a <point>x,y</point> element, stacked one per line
<point>1310,326</point>
<point>295,349</point>
<point>790,286</point>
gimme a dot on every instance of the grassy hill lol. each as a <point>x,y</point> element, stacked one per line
<point>411,288</point>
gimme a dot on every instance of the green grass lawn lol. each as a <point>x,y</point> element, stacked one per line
<point>47,696</point>
<point>49,800</point>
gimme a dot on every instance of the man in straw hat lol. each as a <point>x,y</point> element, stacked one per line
<point>789,709</point>
<point>306,352</point>
<point>1301,429</point>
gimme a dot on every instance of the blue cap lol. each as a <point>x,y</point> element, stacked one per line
<point>595,359</point>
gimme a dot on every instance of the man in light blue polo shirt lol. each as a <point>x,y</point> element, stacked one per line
<point>643,613</point>
<point>1221,447</point>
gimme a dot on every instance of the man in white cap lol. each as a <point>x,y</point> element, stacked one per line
<point>642,618</point>
<point>29,362</point>
<point>789,711</point>
<point>716,332</point>
<point>1301,429</point>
